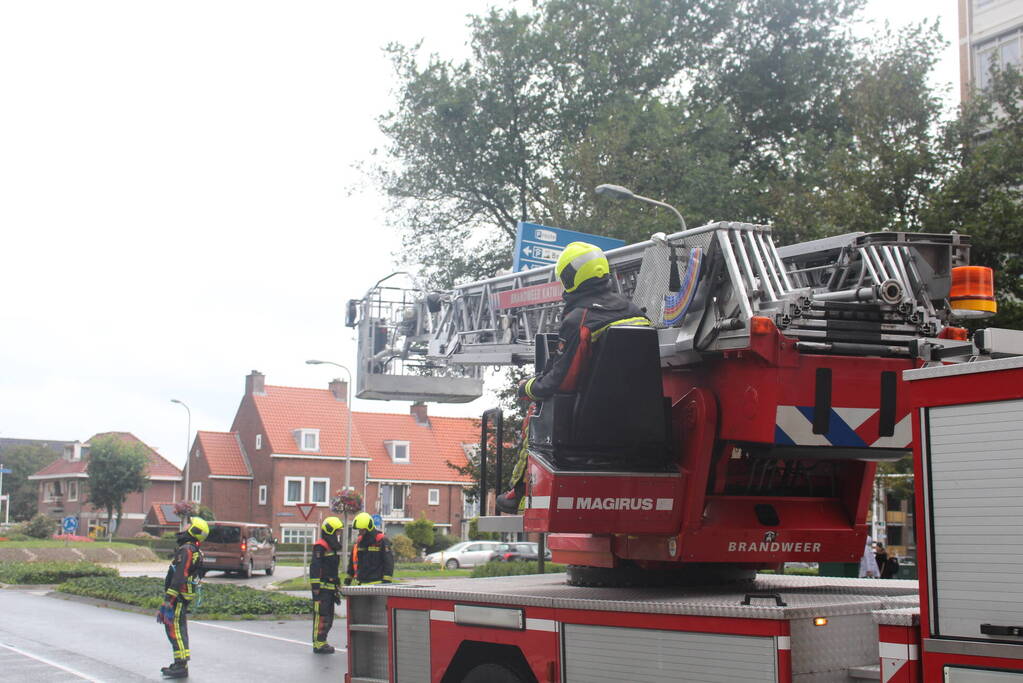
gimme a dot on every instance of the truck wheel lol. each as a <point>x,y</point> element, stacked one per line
<point>451,564</point>
<point>270,567</point>
<point>247,571</point>
<point>493,673</point>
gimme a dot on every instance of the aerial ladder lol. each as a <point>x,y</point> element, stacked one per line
<point>742,430</point>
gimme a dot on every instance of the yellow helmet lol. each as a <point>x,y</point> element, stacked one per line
<point>198,528</point>
<point>332,525</point>
<point>578,263</point>
<point>364,520</point>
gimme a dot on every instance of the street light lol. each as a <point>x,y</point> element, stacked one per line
<point>188,443</point>
<point>348,445</point>
<point>619,192</point>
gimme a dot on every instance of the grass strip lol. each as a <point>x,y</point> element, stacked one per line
<point>49,572</point>
<point>218,599</point>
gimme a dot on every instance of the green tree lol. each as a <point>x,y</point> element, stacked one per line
<point>116,468</point>
<point>476,146</point>
<point>982,191</point>
<point>24,461</point>
<point>420,532</point>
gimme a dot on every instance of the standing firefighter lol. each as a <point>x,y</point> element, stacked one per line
<point>590,309</point>
<point>323,578</point>
<point>179,589</point>
<point>372,559</point>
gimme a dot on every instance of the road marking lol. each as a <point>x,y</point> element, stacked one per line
<point>260,635</point>
<point>53,664</point>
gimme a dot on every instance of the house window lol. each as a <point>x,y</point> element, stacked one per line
<point>262,494</point>
<point>308,439</point>
<point>398,450</point>
<point>53,490</point>
<point>433,497</point>
<point>297,534</point>
<point>259,441</point>
<point>72,490</point>
<point>894,535</point>
<point>197,491</point>
<point>1001,52</point>
<point>392,500</point>
<point>319,491</point>
<point>470,507</point>
<point>294,490</point>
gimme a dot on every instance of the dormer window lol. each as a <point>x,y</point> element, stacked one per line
<point>308,439</point>
<point>398,450</point>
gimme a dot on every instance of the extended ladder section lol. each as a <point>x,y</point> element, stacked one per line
<point>854,294</point>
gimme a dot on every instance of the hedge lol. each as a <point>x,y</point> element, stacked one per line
<point>49,572</point>
<point>216,599</point>
<point>515,568</point>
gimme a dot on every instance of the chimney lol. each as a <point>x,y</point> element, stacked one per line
<point>254,383</point>
<point>418,411</point>
<point>339,388</point>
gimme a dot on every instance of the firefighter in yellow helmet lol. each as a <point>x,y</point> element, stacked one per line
<point>179,591</point>
<point>324,581</point>
<point>591,307</point>
<point>372,559</point>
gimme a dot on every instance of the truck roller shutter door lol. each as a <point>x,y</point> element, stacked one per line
<point>975,463</point>
<point>411,646</point>
<point>608,654</point>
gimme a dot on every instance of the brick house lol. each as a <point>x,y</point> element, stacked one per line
<point>287,445</point>
<point>63,490</point>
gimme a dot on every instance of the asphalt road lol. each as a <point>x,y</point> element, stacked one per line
<point>46,639</point>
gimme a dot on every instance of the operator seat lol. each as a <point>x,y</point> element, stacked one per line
<point>618,418</point>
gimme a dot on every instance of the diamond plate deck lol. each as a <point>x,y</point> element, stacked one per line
<point>806,596</point>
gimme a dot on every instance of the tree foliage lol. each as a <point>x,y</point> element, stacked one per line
<point>420,532</point>
<point>116,469</point>
<point>24,461</point>
<point>730,109</point>
<point>982,188</point>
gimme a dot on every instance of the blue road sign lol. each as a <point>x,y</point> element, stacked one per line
<point>539,245</point>
<point>378,521</point>
<point>69,525</point>
<point>5,470</point>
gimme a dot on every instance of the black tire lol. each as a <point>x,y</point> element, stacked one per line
<point>247,570</point>
<point>270,567</point>
<point>451,564</point>
<point>493,673</point>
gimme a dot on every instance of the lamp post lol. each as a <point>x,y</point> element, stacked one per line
<point>619,192</point>
<point>188,444</point>
<point>348,444</point>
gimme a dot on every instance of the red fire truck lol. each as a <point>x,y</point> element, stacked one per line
<point>962,623</point>
<point>742,431</point>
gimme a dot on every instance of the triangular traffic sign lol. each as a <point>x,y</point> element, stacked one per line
<point>306,509</point>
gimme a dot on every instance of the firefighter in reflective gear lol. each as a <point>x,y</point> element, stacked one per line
<point>591,308</point>
<point>323,579</point>
<point>372,559</point>
<point>179,591</point>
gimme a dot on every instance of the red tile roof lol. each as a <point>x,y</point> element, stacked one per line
<point>61,466</point>
<point>431,446</point>
<point>285,409</point>
<point>224,454</point>
<point>164,514</point>
<point>158,466</point>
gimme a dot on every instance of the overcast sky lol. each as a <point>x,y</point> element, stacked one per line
<point>178,204</point>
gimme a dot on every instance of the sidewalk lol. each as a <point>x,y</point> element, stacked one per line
<point>259,580</point>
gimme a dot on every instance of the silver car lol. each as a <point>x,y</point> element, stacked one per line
<point>464,554</point>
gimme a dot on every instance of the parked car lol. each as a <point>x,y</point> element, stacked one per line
<point>464,554</point>
<point>240,547</point>
<point>524,550</point>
